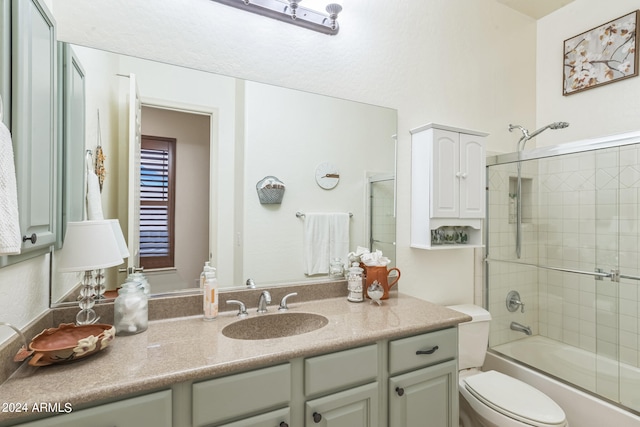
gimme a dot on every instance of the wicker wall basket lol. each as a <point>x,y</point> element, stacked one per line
<point>270,190</point>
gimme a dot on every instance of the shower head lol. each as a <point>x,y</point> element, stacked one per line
<point>554,126</point>
<point>558,125</point>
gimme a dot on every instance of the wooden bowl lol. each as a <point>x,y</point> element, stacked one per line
<point>69,342</point>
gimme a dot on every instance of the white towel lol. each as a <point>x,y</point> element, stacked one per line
<point>339,240</point>
<point>94,199</point>
<point>326,236</point>
<point>10,237</point>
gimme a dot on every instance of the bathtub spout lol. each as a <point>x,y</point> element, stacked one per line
<point>520,328</point>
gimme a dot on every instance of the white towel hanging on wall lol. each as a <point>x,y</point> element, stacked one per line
<point>326,236</point>
<point>10,236</point>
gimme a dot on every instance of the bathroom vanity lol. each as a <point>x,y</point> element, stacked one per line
<point>369,365</point>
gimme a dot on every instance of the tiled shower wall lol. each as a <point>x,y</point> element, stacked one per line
<point>504,276</point>
<point>583,215</point>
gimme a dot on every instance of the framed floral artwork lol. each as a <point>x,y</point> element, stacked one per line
<point>602,55</point>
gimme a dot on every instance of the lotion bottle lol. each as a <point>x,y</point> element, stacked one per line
<point>210,292</point>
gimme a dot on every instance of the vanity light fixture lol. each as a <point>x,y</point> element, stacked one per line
<point>290,11</point>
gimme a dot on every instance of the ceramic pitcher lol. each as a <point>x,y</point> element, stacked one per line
<point>380,274</point>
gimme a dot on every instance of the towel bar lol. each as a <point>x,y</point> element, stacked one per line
<point>301,214</point>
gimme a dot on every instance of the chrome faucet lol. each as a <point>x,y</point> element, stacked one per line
<point>520,328</point>
<point>242,309</point>
<point>265,299</point>
<point>283,302</point>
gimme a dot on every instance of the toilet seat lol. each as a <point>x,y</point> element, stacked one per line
<point>515,399</point>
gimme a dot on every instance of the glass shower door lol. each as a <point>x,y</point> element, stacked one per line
<point>579,273</point>
<point>628,287</point>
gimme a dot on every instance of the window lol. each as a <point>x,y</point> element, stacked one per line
<point>157,202</point>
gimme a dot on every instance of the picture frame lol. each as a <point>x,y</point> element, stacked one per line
<point>601,55</point>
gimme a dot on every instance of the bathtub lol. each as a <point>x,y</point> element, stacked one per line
<point>578,367</point>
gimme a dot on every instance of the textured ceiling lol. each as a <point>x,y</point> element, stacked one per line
<point>535,8</point>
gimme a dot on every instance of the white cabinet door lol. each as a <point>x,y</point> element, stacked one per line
<point>34,121</point>
<point>445,188</point>
<point>472,176</point>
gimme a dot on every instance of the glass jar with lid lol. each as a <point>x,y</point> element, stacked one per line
<point>131,309</point>
<point>355,283</point>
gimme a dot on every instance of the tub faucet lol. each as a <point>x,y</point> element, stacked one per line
<point>265,299</point>
<point>520,328</point>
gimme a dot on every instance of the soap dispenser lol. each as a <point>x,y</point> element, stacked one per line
<point>210,294</point>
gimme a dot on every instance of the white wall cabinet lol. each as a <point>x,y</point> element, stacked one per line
<point>34,123</point>
<point>447,187</point>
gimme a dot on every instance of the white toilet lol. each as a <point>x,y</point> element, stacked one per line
<point>492,399</point>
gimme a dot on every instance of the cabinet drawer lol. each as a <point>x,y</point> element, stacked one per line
<point>149,410</point>
<point>242,394</point>
<point>270,419</point>
<point>403,354</point>
<point>339,370</point>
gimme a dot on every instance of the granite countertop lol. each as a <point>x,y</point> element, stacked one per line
<point>190,349</point>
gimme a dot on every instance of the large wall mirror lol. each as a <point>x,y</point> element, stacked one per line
<point>227,135</point>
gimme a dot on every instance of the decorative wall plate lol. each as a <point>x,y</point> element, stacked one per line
<point>327,175</point>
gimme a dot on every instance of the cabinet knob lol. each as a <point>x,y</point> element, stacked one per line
<point>430,351</point>
<point>400,391</point>
<point>464,175</point>
<point>283,424</point>
<point>317,417</point>
<point>33,238</point>
<point>457,174</point>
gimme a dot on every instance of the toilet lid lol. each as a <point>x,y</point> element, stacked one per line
<point>515,399</point>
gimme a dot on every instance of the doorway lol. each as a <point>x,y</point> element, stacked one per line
<point>191,132</point>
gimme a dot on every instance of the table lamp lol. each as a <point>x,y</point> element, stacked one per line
<point>88,246</point>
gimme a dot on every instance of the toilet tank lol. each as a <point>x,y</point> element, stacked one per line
<point>473,336</point>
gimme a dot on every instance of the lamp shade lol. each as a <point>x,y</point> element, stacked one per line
<point>89,245</point>
<point>122,244</point>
